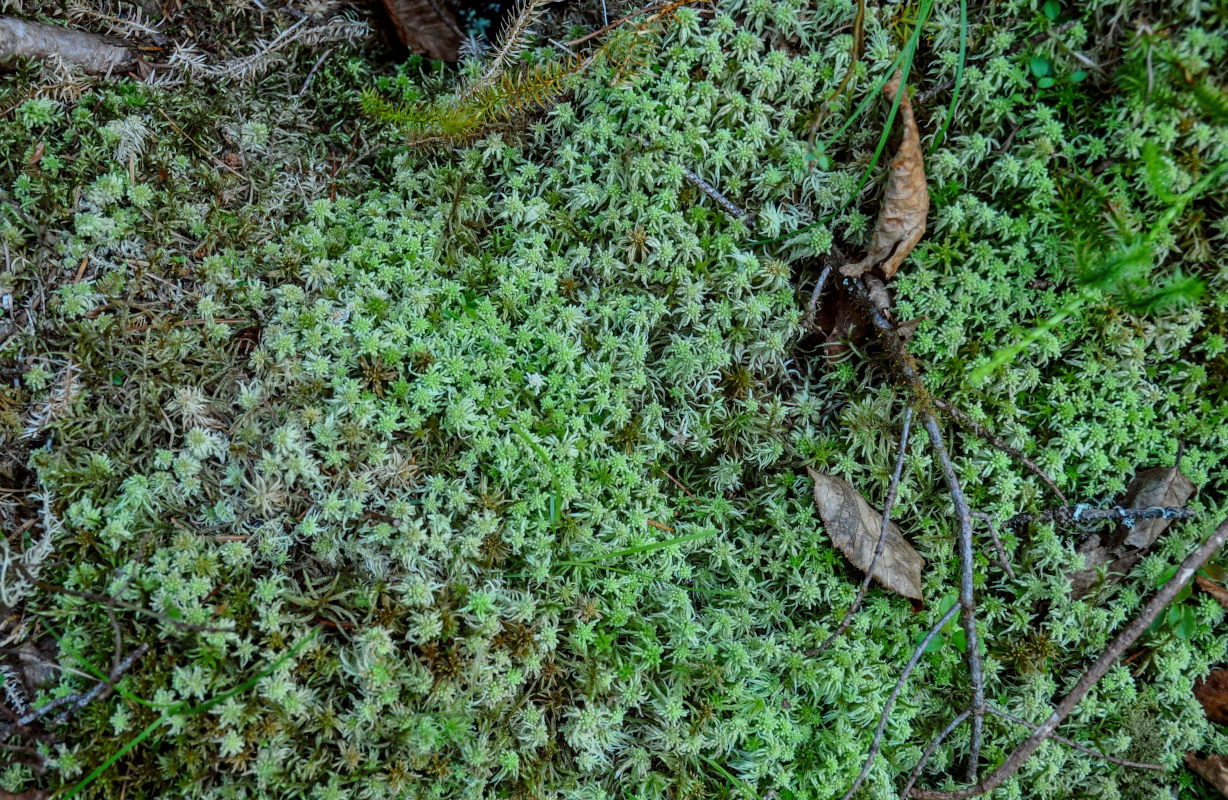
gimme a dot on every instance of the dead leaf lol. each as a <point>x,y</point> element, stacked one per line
<point>1214,589</point>
<point>1212,769</point>
<point>1212,693</point>
<point>906,200</point>
<point>1161,486</point>
<point>28,794</point>
<point>854,528</point>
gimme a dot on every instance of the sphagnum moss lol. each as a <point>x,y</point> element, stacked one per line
<point>479,389</point>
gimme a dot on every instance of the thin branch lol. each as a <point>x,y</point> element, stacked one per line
<point>899,685</point>
<point>79,701</point>
<point>1121,642</point>
<point>997,543</point>
<point>812,308</point>
<point>312,73</point>
<point>1085,513</point>
<point>882,540</point>
<point>1070,743</point>
<point>710,190</point>
<point>929,751</point>
<point>969,424</point>
<point>909,374</point>
<point>967,600</point>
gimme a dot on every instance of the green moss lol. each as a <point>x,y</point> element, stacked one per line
<point>520,428</point>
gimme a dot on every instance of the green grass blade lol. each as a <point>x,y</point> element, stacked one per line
<point>182,709</point>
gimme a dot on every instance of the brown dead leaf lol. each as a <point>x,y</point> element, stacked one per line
<point>854,528</point>
<point>906,200</point>
<point>1214,589</point>
<point>1212,694</point>
<point>1162,486</point>
<point>1212,769</point>
<point>28,794</point>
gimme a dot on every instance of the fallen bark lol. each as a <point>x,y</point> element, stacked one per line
<point>94,54</point>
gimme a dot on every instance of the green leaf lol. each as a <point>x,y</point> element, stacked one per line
<point>1078,76</point>
<point>1188,625</point>
<point>1052,9</point>
<point>1045,82</point>
<point>1039,66</point>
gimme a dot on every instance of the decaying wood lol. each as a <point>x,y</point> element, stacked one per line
<point>426,27</point>
<point>906,200</point>
<point>94,54</point>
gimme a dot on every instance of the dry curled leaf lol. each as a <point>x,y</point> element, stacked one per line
<point>1162,486</point>
<point>1214,589</point>
<point>1212,694</point>
<point>854,528</point>
<point>1212,769</point>
<point>906,200</point>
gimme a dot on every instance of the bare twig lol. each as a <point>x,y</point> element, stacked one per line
<point>1085,513</point>
<point>312,73</point>
<point>967,600</point>
<point>929,751</point>
<point>710,190</point>
<point>1070,743</point>
<point>997,543</point>
<point>909,374</point>
<point>1121,642</point>
<point>812,308</point>
<point>899,685</point>
<point>968,423</point>
<point>882,540</point>
<point>79,701</point>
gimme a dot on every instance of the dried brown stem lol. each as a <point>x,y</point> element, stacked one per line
<point>909,375</point>
<point>969,424</point>
<point>1121,642</point>
<point>878,548</point>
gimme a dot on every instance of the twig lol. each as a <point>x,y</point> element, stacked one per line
<point>312,73</point>
<point>929,751</point>
<point>882,541</point>
<point>1121,642</point>
<point>205,152</point>
<point>1070,743</point>
<point>1085,513</point>
<point>968,423</point>
<point>78,701</point>
<point>812,308</point>
<point>712,192</point>
<point>997,543</point>
<point>909,374</point>
<point>967,600</point>
<point>899,685</point>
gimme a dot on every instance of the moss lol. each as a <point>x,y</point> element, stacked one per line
<point>520,427</point>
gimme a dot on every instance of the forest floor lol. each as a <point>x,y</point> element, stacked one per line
<point>374,427</point>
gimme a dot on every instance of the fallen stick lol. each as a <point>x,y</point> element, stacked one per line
<point>92,53</point>
<point>1121,642</point>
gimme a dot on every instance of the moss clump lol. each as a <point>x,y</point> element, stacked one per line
<point>519,430</point>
